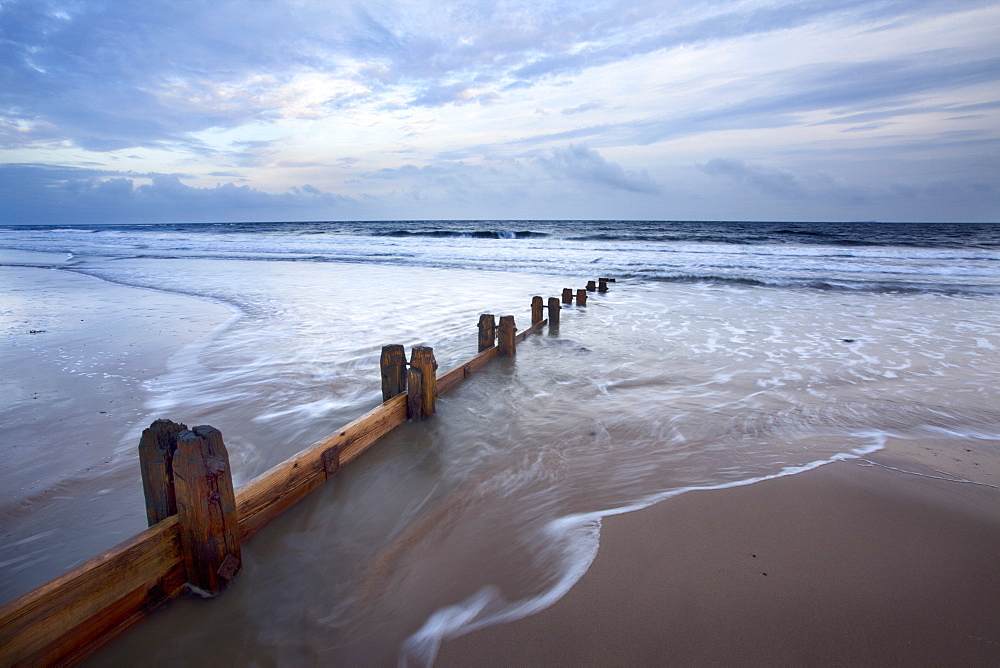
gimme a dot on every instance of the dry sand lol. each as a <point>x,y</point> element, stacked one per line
<point>848,564</point>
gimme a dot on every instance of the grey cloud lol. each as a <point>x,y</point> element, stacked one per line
<point>54,194</point>
<point>581,163</point>
<point>767,180</point>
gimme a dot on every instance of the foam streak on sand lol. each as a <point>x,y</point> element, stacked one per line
<point>577,538</point>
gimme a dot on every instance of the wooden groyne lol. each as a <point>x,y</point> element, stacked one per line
<point>197,520</point>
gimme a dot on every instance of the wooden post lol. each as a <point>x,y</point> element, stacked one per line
<point>591,286</point>
<point>581,297</point>
<point>567,296</point>
<point>487,331</point>
<point>393,365</point>
<point>422,359</point>
<point>414,394</point>
<point>156,462</point>
<point>607,280</point>
<point>554,308</point>
<point>602,286</point>
<point>536,310</point>
<point>206,510</point>
<point>508,330</point>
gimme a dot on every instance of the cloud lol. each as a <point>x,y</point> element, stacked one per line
<point>586,165</point>
<point>936,195</point>
<point>767,180</point>
<point>110,75</point>
<point>54,194</point>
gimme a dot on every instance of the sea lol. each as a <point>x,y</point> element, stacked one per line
<point>724,353</point>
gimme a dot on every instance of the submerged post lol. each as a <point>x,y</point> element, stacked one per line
<point>567,296</point>
<point>554,308</point>
<point>591,286</point>
<point>487,331</point>
<point>581,297</point>
<point>393,365</point>
<point>508,332</point>
<point>156,462</point>
<point>206,510</point>
<point>602,286</point>
<point>536,309</point>
<point>420,399</point>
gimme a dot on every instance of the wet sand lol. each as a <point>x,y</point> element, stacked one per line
<point>76,353</point>
<point>848,564</point>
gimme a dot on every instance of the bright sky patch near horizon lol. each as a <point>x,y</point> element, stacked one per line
<point>166,111</point>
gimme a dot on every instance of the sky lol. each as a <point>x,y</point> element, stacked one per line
<point>264,110</point>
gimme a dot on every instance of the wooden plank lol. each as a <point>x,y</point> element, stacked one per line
<point>73,613</point>
<point>448,381</point>
<point>268,495</point>
<point>67,618</point>
<point>531,330</point>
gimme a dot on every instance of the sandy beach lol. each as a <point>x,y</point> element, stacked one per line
<point>848,564</point>
<point>488,512</point>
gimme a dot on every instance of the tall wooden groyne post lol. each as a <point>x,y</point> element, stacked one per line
<point>197,520</point>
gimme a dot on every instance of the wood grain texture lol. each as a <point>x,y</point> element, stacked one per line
<point>393,367</point>
<point>507,340</point>
<point>74,613</point>
<point>156,463</point>
<point>206,509</point>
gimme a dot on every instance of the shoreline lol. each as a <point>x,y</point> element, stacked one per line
<point>78,352</point>
<point>846,564</point>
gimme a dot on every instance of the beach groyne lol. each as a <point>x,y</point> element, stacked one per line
<point>198,520</point>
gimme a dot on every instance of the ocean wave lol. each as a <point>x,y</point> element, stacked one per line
<point>464,234</point>
<point>846,285</point>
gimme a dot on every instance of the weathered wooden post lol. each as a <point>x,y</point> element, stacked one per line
<point>602,286</point>
<point>508,332</point>
<point>554,308</point>
<point>536,309</point>
<point>206,510</point>
<point>567,296</point>
<point>581,297</point>
<point>156,462</point>
<point>487,331</point>
<point>420,399</point>
<point>393,365</point>
<point>414,394</point>
<point>591,286</point>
